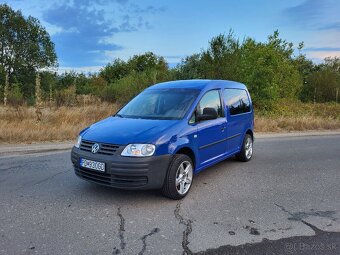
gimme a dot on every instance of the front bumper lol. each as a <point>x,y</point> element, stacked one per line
<point>123,172</point>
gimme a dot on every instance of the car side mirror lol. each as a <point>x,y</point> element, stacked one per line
<point>208,114</point>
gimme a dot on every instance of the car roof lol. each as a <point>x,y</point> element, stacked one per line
<point>198,84</point>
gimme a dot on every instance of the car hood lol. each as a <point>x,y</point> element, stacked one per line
<point>122,131</point>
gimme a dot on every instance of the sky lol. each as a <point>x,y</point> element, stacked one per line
<point>88,34</point>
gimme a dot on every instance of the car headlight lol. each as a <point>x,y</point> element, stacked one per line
<point>139,150</point>
<point>78,142</point>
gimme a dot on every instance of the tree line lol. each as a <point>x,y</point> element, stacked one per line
<point>272,70</point>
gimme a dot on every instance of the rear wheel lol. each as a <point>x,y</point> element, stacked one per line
<point>179,177</point>
<point>246,152</point>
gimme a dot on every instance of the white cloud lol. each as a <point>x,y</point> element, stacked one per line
<point>82,69</point>
<point>320,55</point>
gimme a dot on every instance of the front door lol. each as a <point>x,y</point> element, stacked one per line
<point>211,134</point>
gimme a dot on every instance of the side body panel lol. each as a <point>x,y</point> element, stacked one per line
<point>230,140</point>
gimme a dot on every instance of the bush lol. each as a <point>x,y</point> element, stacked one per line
<point>15,96</point>
<point>293,108</point>
<point>66,97</point>
<point>129,86</point>
<point>323,85</point>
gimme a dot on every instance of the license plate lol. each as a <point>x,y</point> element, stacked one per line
<point>94,165</point>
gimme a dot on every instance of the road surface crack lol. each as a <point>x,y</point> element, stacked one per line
<point>121,229</point>
<point>13,167</point>
<point>154,231</point>
<point>186,232</point>
<point>299,217</point>
<point>51,177</point>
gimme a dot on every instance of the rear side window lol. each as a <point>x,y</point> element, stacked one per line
<point>211,99</point>
<point>237,101</point>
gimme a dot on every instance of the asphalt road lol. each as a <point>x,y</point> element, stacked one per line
<point>285,201</point>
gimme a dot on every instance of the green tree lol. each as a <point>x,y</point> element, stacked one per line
<point>15,96</point>
<point>146,62</point>
<point>99,87</point>
<point>268,70</point>
<point>323,86</point>
<point>25,45</point>
<point>115,70</point>
<point>221,59</point>
<point>324,83</point>
<point>190,68</point>
<point>332,64</point>
<point>306,68</point>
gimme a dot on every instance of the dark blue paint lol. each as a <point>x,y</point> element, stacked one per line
<point>216,139</point>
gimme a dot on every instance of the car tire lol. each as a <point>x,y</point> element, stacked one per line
<point>178,179</point>
<point>246,152</point>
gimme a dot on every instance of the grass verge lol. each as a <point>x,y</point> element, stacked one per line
<point>296,116</point>
<point>64,123</point>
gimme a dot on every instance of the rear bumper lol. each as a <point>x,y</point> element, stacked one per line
<point>123,172</point>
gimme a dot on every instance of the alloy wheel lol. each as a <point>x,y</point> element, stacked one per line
<point>184,177</point>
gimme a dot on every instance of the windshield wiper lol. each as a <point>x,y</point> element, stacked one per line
<point>118,115</point>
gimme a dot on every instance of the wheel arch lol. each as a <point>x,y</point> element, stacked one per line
<point>251,133</point>
<point>189,152</point>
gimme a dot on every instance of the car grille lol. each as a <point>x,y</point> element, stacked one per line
<point>104,148</point>
<point>114,180</point>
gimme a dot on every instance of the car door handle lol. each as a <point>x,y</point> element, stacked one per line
<point>222,128</point>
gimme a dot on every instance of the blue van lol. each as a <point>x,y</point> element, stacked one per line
<point>166,134</point>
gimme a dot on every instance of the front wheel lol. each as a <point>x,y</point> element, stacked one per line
<point>179,177</point>
<point>246,152</point>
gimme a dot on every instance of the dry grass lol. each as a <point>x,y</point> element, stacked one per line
<point>64,123</point>
<point>296,116</point>
<point>304,123</point>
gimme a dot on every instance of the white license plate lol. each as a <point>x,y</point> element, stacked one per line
<point>90,164</point>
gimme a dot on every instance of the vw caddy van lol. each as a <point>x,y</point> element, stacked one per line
<point>166,135</point>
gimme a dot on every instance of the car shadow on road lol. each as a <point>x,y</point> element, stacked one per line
<point>114,194</point>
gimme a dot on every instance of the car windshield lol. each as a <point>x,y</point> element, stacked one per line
<point>163,104</point>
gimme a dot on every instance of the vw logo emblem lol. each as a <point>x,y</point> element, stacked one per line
<point>95,148</point>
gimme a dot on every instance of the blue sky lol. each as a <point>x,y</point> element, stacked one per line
<point>90,33</point>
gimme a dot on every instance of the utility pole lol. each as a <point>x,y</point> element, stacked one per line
<point>314,95</point>
<point>6,89</point>
<point>38,97</point>
<point>336,95</point>
<point>50,87</point>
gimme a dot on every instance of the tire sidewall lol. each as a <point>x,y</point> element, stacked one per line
<point>244,147</point>
<point>242,154</point>
<point>169,187</point>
